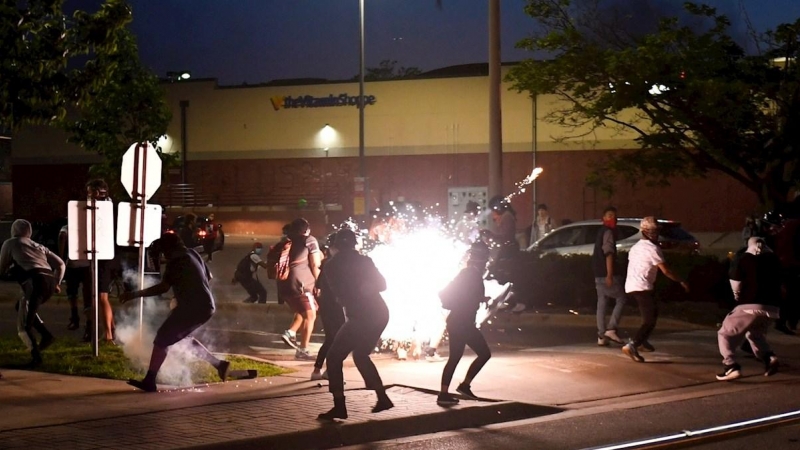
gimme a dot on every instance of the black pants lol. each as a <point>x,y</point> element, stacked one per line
<point>79,278</point>
<point>648,308</point>
<point>254,288</point>
<point>359,334</point>
<point>463,333</point>
<point>332,321</point>
<point>38,288</point>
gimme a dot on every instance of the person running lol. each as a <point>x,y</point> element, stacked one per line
<point>39,274</point>
<point>357,284</point>
<point>645,259</point>
<point>188,276</point>
<point>756,285</point>
<point>330,310</point>
<point>608,279</point>
<point>246,275</point>
<point>298,289</point>
<point>463,297</point>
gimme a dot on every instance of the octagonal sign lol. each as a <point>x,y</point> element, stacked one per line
<point>141,171</point>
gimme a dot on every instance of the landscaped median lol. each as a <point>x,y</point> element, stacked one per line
<point>71,357</point>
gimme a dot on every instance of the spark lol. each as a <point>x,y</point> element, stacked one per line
<point>522,185</point>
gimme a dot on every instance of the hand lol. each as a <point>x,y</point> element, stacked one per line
<point>685,286</point>
<point>125,297</point>
<point>58,289</point>
<point>609,281</point>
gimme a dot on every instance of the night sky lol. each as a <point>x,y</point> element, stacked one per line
<point>255,41</point>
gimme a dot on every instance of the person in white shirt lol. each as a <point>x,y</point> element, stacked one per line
<point>645,259</point>
<point>39,273</point>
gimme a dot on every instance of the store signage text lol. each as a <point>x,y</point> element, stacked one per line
<point>308,101</point>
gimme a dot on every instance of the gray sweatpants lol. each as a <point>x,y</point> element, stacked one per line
<point>749,322</point>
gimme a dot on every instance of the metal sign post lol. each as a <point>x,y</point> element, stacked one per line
<point>140,187</point>
<point>90,227</point>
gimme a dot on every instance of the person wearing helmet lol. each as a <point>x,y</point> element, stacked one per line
<point>357,284</point>
<point>463,297</point>
<point>645,259</point>
<point>246,275</point>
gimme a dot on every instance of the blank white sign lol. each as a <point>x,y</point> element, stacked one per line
<point>129,224</point>
<point>79,225</point>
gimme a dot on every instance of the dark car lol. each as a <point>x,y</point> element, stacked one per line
<point>208,235</point>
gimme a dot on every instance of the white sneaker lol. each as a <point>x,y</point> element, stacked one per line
<point>316,376</point>
<point>612,336</point>
<point>602,342</point>
<point>302,354</point>
<point>290,338</point>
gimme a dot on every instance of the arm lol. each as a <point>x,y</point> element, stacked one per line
<point>373,278</point>
<point>672,276</point>
<point>609,248</point>
<point>58,266</point>
<point>314,261</point>
<point>158,289</point>
<point>62,246</point>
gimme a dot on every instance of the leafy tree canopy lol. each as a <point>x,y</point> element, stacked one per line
<point>694,99</point>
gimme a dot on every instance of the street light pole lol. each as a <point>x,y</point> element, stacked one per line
<point>361,164</point>
<point>495,119</point>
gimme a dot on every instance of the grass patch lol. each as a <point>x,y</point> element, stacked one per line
<point>71,357</point>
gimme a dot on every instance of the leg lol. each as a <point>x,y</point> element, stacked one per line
<point>250,285</point>
<point>478,344</point>
<point>602,305</point>
<point>342,345</point>
<point>332,321</point>
<point>756,335</point>
<point>649,311</point>
<point>106,315</point>
<point>202,352</point>
<point>732,333</point>
<point>457,346</point>
<point>373,326</point>
<point>618,294</point>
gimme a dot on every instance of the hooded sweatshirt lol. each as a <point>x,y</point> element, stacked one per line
<point>27,254</point>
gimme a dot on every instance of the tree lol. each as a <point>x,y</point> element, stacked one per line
<point>388,70</point>
<point>130,107</point>
<point>694,99</point>
<point>48,58</point>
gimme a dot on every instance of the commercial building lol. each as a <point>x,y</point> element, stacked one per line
<point>257,155</point>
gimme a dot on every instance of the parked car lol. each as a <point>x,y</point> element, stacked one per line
<point>207,235</point>
<point>579,238</point>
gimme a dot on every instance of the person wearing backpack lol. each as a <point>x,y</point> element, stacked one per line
<point>463,297</point>
<point>297,290</point>
<point>246,275</point>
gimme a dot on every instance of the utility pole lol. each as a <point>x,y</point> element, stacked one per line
<point>495,118</point>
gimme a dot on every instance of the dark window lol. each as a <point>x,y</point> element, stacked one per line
<point>563,238</point>
<point>674,231</point>
<point>626,231</point>
<point>590,235</point>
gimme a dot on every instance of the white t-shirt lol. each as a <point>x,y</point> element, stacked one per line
<point>643,260</point>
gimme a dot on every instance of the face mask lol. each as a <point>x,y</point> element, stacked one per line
<point>610,223</point>
<point>258,251</point>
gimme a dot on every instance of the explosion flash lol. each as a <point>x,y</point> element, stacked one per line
<point>522,185</point>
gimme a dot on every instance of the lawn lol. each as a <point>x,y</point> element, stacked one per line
<point>71,357</point>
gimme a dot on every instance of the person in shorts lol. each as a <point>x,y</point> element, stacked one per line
<point>188,277</point>
<point>298,289</point>
<point>98,190</point>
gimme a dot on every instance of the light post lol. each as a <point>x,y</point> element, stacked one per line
<point>362,171</point>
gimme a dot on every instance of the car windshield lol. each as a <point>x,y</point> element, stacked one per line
<point>674,231</point>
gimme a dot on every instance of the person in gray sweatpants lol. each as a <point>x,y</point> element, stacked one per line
<point>756,282</point>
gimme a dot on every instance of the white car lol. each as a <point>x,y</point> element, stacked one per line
<point>579,238</point>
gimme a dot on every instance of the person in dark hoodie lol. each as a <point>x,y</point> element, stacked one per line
<point>188,276</point>
<point>329,309</point>
<point>356,283</point>
<point>756,285</point>
<point>463,297</point>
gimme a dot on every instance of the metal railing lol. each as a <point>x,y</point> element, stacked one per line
<point>190,195</point>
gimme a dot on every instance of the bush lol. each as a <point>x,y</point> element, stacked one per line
<point>568,280</point>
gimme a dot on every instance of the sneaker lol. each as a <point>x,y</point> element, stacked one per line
<point>464,389</point>
<point>612,336</point>
<point>646,347</point>
<point>249,300</point>
<point>631,351</point>
<point>316,376</point>
<point>87,332</point>
<point>518,308</point>
<point>728,373</point>
<point>143,385</point>
<point>602,341</point>
<point>290,339</point>
<point>434,358</point>
<point>302,354</point>
<point>771,365</point>
<point>383,404</point>
<point>325,375</point>
<point>446,399</point>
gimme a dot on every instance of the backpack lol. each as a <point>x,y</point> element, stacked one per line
<point>278,260</point>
